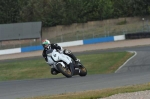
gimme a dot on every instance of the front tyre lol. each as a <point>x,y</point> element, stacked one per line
<point>82,71</point>
<point>65,71</point>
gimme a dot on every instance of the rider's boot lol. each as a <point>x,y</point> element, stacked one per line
<point>77,61</point>
<point>72,56</point>
<point>79,65</point>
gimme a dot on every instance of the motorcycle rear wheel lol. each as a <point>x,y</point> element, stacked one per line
<point>65,71</point>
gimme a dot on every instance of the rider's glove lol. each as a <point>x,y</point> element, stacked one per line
<point>67,51</point>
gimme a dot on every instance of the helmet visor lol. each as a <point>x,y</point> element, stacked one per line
<point>45,45</point>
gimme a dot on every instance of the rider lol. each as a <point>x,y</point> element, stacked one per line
<point>47,45</point>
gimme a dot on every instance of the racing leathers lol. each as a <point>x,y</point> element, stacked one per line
<point>59,49</point>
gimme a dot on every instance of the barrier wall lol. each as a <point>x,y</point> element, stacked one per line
<point>10,51</point>
<point>72,43</point>
<point>137,35</point>
<point>119,37</point>
<point>64,44</point>
<point>31,48</point>
<point>98,40</point>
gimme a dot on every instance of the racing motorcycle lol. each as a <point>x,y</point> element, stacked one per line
<point>60,62</point>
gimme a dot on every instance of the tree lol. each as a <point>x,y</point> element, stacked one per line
<point>9,11</point>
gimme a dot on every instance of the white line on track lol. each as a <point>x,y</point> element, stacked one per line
<point>127,60</point>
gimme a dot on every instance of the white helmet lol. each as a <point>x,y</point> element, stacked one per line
<point>45,43</point>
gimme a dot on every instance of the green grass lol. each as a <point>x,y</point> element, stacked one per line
<point>37,68</point>
<point>24,69</point>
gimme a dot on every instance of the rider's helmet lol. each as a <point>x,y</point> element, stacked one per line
<point>45,43</point>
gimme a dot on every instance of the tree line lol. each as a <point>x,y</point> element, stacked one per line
<point>65,12</point>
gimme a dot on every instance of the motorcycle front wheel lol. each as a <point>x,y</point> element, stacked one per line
<point>82,71</point>
<point>65,71</point>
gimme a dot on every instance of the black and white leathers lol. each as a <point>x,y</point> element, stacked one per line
<point>51,46</point>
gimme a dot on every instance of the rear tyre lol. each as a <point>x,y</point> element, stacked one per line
<point>65,71</point>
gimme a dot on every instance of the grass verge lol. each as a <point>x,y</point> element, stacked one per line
<point>37,68</point>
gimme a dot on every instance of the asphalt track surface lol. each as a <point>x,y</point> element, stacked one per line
<point>135,71</point>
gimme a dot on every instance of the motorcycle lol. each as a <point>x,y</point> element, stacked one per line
<point>60,63</point>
